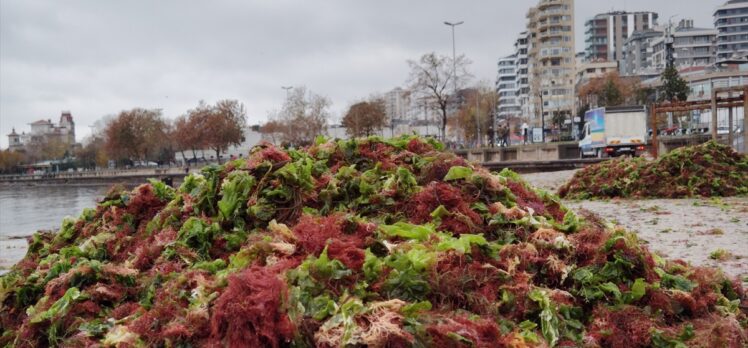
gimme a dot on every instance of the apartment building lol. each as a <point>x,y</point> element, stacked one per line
<point>551,59</point>
<point>637,53</point>
<point>731,22</point>
<point>587,71</point>
<point>692,46</point>
<point>507,88</point>
<point>606,33</point>
<point>523,73</point>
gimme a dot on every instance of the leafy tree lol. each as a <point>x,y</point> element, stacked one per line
<point>92,154</point>
<point>191,130</point>
<point>612,93</point>
<point>137,134</point>
<point>674,88</point>
<point>226,123</point>
<point>608,90</point>
<point>645,95</point>
<point>365,118</point>
<point>10,161</point>
<point>433,76</point>
<point>214,127</point>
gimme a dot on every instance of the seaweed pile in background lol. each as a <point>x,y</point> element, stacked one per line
<point>379,243</point>
<point>706,170</point>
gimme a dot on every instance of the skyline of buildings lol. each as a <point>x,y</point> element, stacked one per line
<point>633,43</point>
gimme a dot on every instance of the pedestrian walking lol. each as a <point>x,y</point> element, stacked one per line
<point>505,136</point>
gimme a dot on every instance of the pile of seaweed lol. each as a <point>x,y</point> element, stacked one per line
<point>379,243</point>
<point>706,170</point>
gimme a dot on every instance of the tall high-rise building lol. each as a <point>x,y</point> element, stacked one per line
<point>606,33</point>
<point>396,103</point>
<point>731,21</point>
<point>551,61</point>
<point>523,74</point>
<point>506,87</point>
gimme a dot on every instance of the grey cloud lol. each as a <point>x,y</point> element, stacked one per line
<point>99,57</point>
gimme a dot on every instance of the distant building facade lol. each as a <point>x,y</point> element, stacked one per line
<point>638,51</point>
<point>731,23</point>
<point>692,46</point>
<point>396,103</point>
<point>521,50</point>
<point>507,88</point>
<point>606,33</point>
<point>551,59</point>
<point>44,131</point>
<point>587,71</point>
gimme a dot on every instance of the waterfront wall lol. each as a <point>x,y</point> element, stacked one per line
<point>98,177</point>
<point>523,153</point>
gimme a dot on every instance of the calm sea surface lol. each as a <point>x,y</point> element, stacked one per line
<point>26,209</point>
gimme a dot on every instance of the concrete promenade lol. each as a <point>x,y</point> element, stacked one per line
<point>529,158</point>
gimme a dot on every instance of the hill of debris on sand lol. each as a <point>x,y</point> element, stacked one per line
<point>356,242</point>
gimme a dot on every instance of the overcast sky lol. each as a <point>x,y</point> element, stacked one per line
<point>100,57</point>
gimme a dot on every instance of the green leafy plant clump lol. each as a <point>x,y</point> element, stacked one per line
<point>706,170</point>
<point>356,243</point>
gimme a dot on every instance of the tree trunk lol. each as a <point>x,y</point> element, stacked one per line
<point>443,129</point>
<point>218,155</point>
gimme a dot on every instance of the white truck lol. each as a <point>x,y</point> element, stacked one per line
<point>614,131</point>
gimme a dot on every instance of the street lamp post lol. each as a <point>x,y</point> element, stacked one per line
<point>477,118</point>
<point>454,53</point>
<point>287,88</point>
<point>454,65</point>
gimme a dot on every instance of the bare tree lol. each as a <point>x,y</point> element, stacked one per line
<point>475,116</point>
<point>303,116</point>
<point>433,75</point>
<point>272,129</point>
<point>365,118</point>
